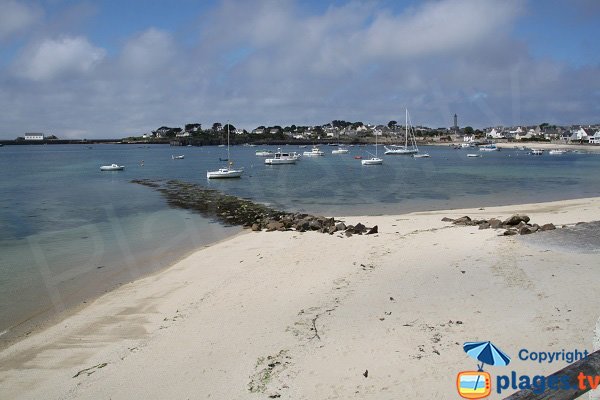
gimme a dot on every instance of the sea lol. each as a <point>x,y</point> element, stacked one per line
<point>69,232</point>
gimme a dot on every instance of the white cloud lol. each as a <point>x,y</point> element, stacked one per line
<point>148,51</point>
<point>52,58</point>
<point>267,62</point>
<point>16,17</point>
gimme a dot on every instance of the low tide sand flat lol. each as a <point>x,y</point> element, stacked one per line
<point>282,314</point>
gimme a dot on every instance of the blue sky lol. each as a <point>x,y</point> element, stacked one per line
<point>114,68</point>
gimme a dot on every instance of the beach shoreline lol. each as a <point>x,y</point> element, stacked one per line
<point>322,308</point>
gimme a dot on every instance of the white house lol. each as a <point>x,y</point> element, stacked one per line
<point>182,134</point>
<point>495,134</point>
<point>595,139</point>
<point>579,134</point>
<point>34,136</point>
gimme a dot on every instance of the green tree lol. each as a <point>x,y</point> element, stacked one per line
<point>469,130</point>
<point>216,126</point>
<point>392,124</point>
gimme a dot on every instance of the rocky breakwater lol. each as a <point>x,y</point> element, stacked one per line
<point>514,225</point>
<point>233,210</point>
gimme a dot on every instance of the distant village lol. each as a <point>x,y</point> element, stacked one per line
<point>358,131</point>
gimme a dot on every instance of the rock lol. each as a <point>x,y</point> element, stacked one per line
<point>302,225</point>
<point>332,230</point>
<point>515,219</point>
<point>348,233</point>
<point>350,228</point>
<point>466,220</point>
<point>526,230</point>
<point>359,228</point>
<point>485,225</point>
<point>274,226</point>
<point>547,227</point>
<point>373,230</point>
<point>366,373</point>
<point>315,225</point>
<point>509,232</point>
<point>535,228</point>
<point>495,223</point>
<point>341,226</point>
<point>255,227</point>
<point>446,219</point>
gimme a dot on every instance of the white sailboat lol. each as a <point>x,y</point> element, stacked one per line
<point>374,160</point>
<point>404,150</point>
<point>229,171</point>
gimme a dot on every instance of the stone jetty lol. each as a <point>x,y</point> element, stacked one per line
<point>232,210</point>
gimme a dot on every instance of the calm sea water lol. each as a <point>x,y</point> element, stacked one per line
<point>69,231</point>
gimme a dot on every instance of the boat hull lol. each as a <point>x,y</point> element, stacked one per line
<point>372,161</point>
<point>280,161</point>
<point>232,173</point>
<point>112,168</point>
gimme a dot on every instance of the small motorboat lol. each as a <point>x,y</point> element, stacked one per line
<point>556,152</point>
<point>471,155</point>
<point>489,147</point>
<point>315,152</point>
<point>112,167</point>
<point>358,157</point>
<point>263,153</point>
<point>424,155</point>
<point>223,159</point>
<point>180,157</point>
<point>280,158</point>
<point>372,161</point>
<point>536,152</point>
<point>340,150</point>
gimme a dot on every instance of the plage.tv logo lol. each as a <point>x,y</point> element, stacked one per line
<point>478,384</point>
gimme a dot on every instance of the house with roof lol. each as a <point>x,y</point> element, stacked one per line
<point>579,135</point>
<point>595,139</point>
<point>495,134</point>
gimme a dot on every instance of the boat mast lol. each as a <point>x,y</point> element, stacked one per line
<point>228,157</point>
<point>406,129</point>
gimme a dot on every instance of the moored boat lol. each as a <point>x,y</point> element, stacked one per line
<point>471,155</point>
<point>489,147</point>
<point>112,167</point>
<point>536,152</point>
<point>340,150</point>
<point>280,158</point>
<point>263,153</point>
<point>180,157</point>
<point>315,152</point>
<point>228,171</point>
<point>557,152</point>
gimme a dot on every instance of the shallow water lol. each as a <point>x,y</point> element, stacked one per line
<point>69,231</point>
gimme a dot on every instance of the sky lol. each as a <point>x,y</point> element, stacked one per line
<point>109,69</point>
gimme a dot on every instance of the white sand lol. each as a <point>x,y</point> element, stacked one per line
<point>209,326</point>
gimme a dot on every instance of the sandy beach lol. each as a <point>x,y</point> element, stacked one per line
<point>552,146</point>
<point>313,316</point>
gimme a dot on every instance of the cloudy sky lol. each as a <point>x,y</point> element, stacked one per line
<point>113,68</point>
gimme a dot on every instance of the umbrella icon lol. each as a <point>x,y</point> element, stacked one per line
<point>487,353</point>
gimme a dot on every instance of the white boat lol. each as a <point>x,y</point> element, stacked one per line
<point>340,150</point>
<point>280,158</point>
<point>228,171</point>
<point>536,152</point>
<point>374,160</point>
<point>489,147</point>
<point>473,155</point>
<point>557,152</point>
<point>221,145</point>
<point>315,152</point>
<point>406,149</point>
<point>264,153</point>
<point>180,157</point>
<point>465,145</point>
<point>112,167</point>
<point>423,155</point>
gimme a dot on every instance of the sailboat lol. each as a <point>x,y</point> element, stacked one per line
<point>404,150</point>
<point>373,160</point>
<point>229,171</point>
